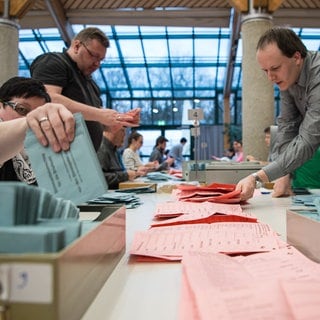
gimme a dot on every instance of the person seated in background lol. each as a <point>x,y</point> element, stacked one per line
<point>238,149</point>
<point>19,96</point>
<point>176,153</point>
<point>130,156</point>
<point>228,155</point>
<point>58,133</point>
<point>267,140</point>
<point>158,154</point>
<point>110,158</point>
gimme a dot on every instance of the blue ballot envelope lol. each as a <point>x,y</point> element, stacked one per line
<point>75,174</point>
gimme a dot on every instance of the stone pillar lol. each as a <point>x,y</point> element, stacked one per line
<point>258,109</point>
<point>9,49</point>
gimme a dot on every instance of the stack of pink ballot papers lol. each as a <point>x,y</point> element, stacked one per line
<point>215,192</point>
<point>171,242</point>
<point>282,284</point>
<point>178,212</point>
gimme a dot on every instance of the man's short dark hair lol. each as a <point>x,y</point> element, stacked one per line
<point>161,139</point>
<point>183,140</point>
<point>286,39</point>
<point>267,130</point>
<point>93,33</point>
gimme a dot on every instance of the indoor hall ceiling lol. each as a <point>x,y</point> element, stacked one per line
<point>62,14</point>
<point>197,13</point>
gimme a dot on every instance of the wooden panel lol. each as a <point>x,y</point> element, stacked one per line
<point>151,4</point>
<point>18,8</point>
<point>273,5</point>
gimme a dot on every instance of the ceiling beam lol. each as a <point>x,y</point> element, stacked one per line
<point>245,6</point>
<point>300,18</point>
<point>214,17</point>
<point>58,15</point>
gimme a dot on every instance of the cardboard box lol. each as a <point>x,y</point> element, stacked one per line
<point>135,184</point>
<point>62,285</point>
<point>303,233</point>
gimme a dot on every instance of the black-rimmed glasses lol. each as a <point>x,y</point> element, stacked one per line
<point>94,56</point>
<point>17,107</point>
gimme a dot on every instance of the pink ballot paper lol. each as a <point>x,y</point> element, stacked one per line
<point>282,284</point>
<point>176,208</point>
<point>171,242</point>
<point>206,212</point>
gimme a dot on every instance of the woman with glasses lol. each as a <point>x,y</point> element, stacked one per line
<point>24,103</point>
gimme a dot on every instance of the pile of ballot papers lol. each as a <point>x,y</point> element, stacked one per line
<point>47,222</point>
<point>128,199</point>
<point>215,192</point>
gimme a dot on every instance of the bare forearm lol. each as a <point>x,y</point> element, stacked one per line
<point>89,113</point>
<point>12,134</point>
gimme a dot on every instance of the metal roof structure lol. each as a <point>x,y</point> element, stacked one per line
<point>165,56</point>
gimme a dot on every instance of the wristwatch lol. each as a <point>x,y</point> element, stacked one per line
<point>258,180</point>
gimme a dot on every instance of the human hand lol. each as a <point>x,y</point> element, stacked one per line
<point>282,187</point>
<point>152,165</point>
<point>170,161</point>
<point>132,174</point>
<point>247,186</point>
<point>251,158</point>
<point>53,124</point>
<point>112,118</point>
<point>142,171</point>
<point>135,113</point>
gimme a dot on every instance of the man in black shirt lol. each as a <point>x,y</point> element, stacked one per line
<point>67,77</point>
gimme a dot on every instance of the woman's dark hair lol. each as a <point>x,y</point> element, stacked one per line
<point>133,136</point>
<point>286,39</point>
<point>21,87</point>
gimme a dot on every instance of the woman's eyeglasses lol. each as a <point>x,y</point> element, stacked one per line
<point>17,107</point>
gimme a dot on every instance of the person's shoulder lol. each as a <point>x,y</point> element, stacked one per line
<point>312,61</point>
<point>47,56</point>
<point>126,151</point>
<point>48,59</point>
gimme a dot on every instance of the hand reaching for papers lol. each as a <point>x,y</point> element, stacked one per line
<point>247,186</point>
<point>135,114</point>
<point>112,118</point>
<point>53,125</point>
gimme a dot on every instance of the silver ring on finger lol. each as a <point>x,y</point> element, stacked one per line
<point>43,119</point>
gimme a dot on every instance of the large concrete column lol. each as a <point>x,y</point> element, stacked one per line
<point>258,110</point>
<point>9,49</point>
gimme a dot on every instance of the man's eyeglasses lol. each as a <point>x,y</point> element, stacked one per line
<point>17,107</point>
<point>94,56</point>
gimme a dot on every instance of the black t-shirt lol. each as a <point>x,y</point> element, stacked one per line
<point>59,69</point>
<point>7,172</point>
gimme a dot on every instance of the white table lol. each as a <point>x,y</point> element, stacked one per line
<point>152,290</point>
